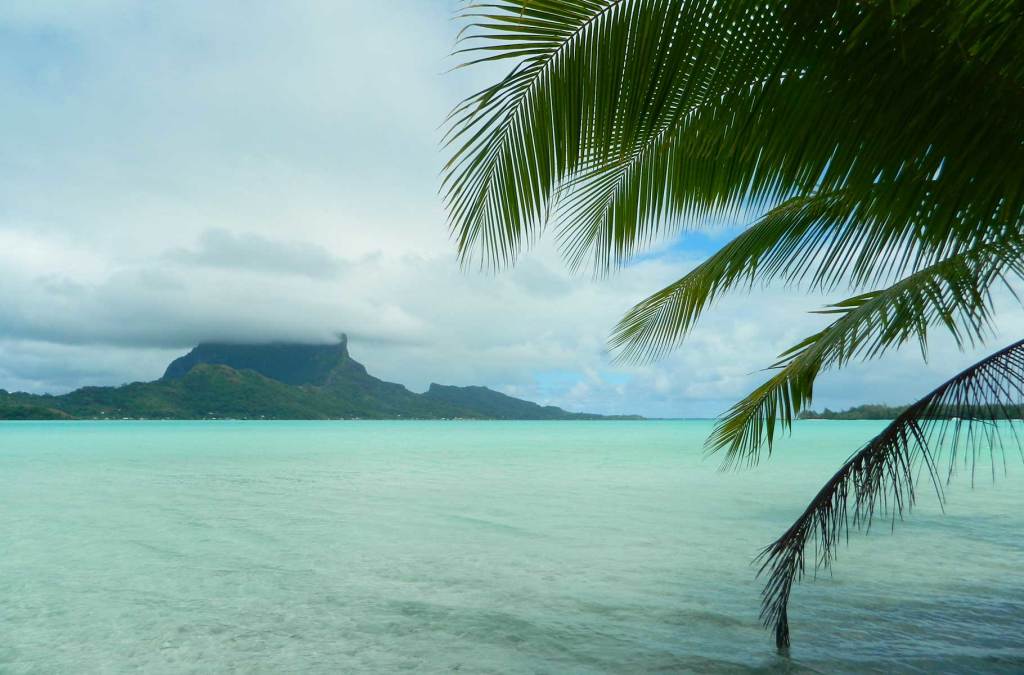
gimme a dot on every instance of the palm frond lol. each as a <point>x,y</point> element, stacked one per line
<point>817,242</point>
<point>644,115</point>
<point>885,140</point>
<point>972,413</point>
<point>593,80</point>
<point>953,294</point>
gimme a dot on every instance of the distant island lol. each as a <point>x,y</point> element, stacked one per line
<point>872,411</point>
<point>276,381</point>
<point>878,411</point>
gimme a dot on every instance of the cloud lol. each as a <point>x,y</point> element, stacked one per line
<point>418,319</point>
<point>220,248</point>
<point>27,365</point>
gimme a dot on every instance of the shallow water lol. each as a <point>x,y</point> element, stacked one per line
<point>476,546</point>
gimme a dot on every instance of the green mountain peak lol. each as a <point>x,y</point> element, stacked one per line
<point>291,363</point>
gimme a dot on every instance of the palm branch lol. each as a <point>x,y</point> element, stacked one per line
<point>625,120</point>
<point>816,242</point>
<point>953,294</point>
<point>883,141</point>
<point>971,413</point>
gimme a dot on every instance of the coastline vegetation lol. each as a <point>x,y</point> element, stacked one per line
<point>869,411</point>
<point>879,411</point>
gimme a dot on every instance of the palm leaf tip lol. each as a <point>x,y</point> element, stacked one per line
<point>975,411</point>
<point>952,294</point>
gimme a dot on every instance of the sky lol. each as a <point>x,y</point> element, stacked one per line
<point>177,172</point>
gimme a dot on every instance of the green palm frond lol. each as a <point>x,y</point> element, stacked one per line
<point>953,294</point>
<point>646,115</point>
<point>817,242</point>
<point>883,141</point>
<point>974,412</point>
<point>592,82</point>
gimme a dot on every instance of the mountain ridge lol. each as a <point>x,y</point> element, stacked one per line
<point>290,363</point>
<point>280,380</point>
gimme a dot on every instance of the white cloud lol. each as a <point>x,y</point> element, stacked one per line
<point>256,253</point>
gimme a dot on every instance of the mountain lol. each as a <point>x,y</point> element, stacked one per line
<point>288,363</point>
<point>495,405</point>
<point>274,381</point>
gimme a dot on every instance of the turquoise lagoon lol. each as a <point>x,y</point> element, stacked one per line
<point>481,547</point>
